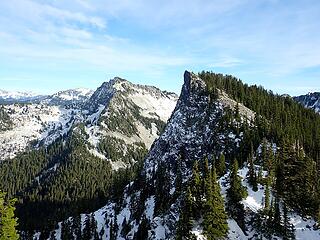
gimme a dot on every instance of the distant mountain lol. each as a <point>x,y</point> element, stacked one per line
<point>77,143</point>
<point>11,96</point>
<point>310,100</point>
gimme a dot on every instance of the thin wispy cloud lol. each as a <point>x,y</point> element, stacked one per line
<point>263,42</point>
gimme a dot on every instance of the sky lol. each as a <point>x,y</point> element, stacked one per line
<point>46,46</point>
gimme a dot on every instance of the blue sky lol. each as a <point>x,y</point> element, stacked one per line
<point>47,46</point>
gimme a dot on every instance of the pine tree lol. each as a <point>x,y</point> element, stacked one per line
<point>8,222</point>
<point>267,196</point>
<point>288,232</point>
<point>66,232</point>
<point>94,227</point>
<point>215,218</point>
<point>235,194</point>
<point>142,233</point>
<point>87,230</point>
<point>111,231</point>
<point>277,216</point>
<point>252,172</point>
<point>221,165</point>
<point>184,225</point>
<point>76,226</point>
<point>196,189</point>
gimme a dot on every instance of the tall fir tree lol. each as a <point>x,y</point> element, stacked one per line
<point>221,165</point>
<point>185,223</point>
<point>215,223</point>
<point>196,189</point>
<point>252,171</point>
<point>288,231</point>
<point>8,221</point>
<point>235,193</point>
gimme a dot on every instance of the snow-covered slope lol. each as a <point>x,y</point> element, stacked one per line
<point>7,96</point>
<point>311,100</point>
<point>196,129</point>
<point>32,124</point>
<point>67,97</point>
<point>126,114</point>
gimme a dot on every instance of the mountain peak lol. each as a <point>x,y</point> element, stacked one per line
<point>310,100</point>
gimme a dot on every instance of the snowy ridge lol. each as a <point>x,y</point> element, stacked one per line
<point>16,96</point>
<point>311,100</point>
<point>44,120</point>
<point>194,131</point>
<point>126,102</point>
<point>34,123</point>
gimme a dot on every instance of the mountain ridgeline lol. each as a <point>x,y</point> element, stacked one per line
<point>311,100</point>
<point>84,155</point>
<point>253,141</point>
<point>225,143</point>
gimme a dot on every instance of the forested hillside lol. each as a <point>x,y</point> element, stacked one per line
<point>234,161</point>
<point>81,155</point>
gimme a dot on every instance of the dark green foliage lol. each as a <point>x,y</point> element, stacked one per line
<point>184,225</point>
<point>267,196</point>
<point>112,148</point>
<point>162,190</point>
<point>282,121</point>
<point>196,189</point>
<point>76,226</point>
<point>288,118</point>
<point>297,178</point>
<point>288,232</point>
<point>214,218</point>
<point>87,230</point>
<point>235,193</point>
<point>252,172</point>
<point>80,183</point>
<point>221,165</point>
<point>8,221</point>
<point>203,200</point>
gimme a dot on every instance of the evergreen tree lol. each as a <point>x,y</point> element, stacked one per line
<point>76,226</point>
<point>267,196</point>
<point>221,165</point>
<point>196,189</point>
<point>144,227</point>
<point>87,230</point>
<point>184,225</point>
<point>66,232</point>
<point>252,171</point>
<point>235,194</point>
<point>101,233</point>
<point>288,232</point>
<point>277,216</point>
<point>215,218</point>
<point>8,222</point>
<point>162,190</point>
